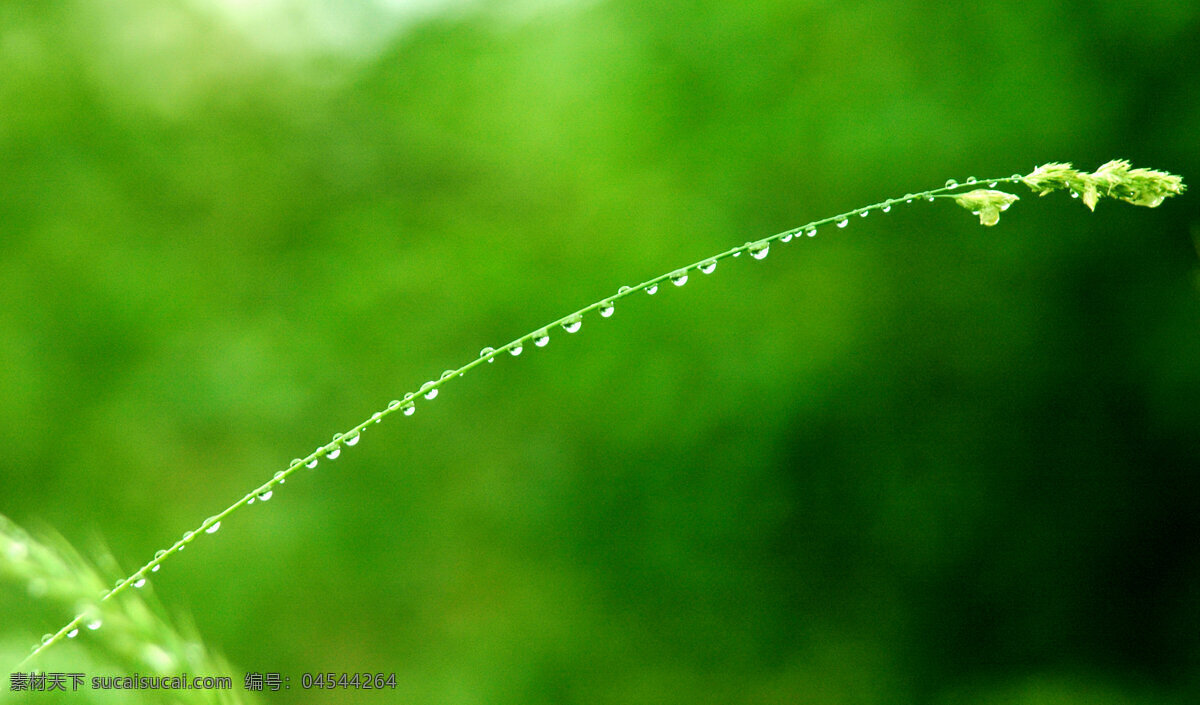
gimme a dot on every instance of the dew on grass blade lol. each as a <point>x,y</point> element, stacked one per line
<point>541,339</point>
<point>488,353</point>
<point>409,410</point>
<point>842,223</point>
<point>265,495</point>
<point>515,350</point>
<point>887,208</point>
<point>951,183</point>
<point>759,251</point>
<point>679,278</point>
<point>572,325</point>
<point>606,309</point>
<point>216,526</point>
<point>863,214</point>
<point>312,463</point>
<point>624,290</point>
<point>429,390</point>
<point>446,373</point>
<point>394,404</point>
<point>810,231</point>
<point>296,462</point>
<point>709,267</point>
<point>352,440</point>
<point>786,237</point>
<point>652,289</point>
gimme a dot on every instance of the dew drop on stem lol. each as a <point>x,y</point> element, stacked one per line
<point>786,237</point>
<point>679,278</point>
<point>887,208</point>
<point>409,410</point>
<point>810,231</point>
<point>652,289</point>
<point>73,633</point>
<point>951,183</point>
<point>139,583</point>
<point>95,624</point>
<point>515,350</point>
<point>606,309</point>
<point>709,267</point>
<point>572,325</point>
<point>842,223</point>
<point>216,526</point>
<point>760,251</point>
<point>488,353</point>
<point>541,339</point>
<point>352,439</point>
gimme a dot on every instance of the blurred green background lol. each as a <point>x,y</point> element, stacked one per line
<point>914,461</point>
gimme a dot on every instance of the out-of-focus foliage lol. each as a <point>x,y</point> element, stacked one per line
<point>914,460</point>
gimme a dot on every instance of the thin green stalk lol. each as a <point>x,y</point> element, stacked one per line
<point>1115,179</point>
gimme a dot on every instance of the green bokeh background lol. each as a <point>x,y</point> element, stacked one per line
<point>912,461</point>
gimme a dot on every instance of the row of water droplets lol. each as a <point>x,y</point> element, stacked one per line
<point>572,323</point>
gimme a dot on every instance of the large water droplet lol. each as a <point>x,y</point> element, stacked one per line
<point>431,394</point>
<point>139,583</point>
<point>786,237</point>
<point>951,183</point>
<point>265,495</point>
<point>709,267</point>
<point>352,439</point>
<point>572,325</point>
<point>333,453</point>
<point>409,410</point>
<point>17,551</point>
<point>810,231</point>
<point>606,309</point>
<point>842,223</point>
<point>216,526</point>
<point>760,251</point>
<point>73,633</point>
<point>312,463</point>
<point>679,278</point>
<point>428,390</point>
<point>488,352</point>
<point>887,208</point>
<point>541,339</point>
<point>515,350</point>
<point>652,289</point>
